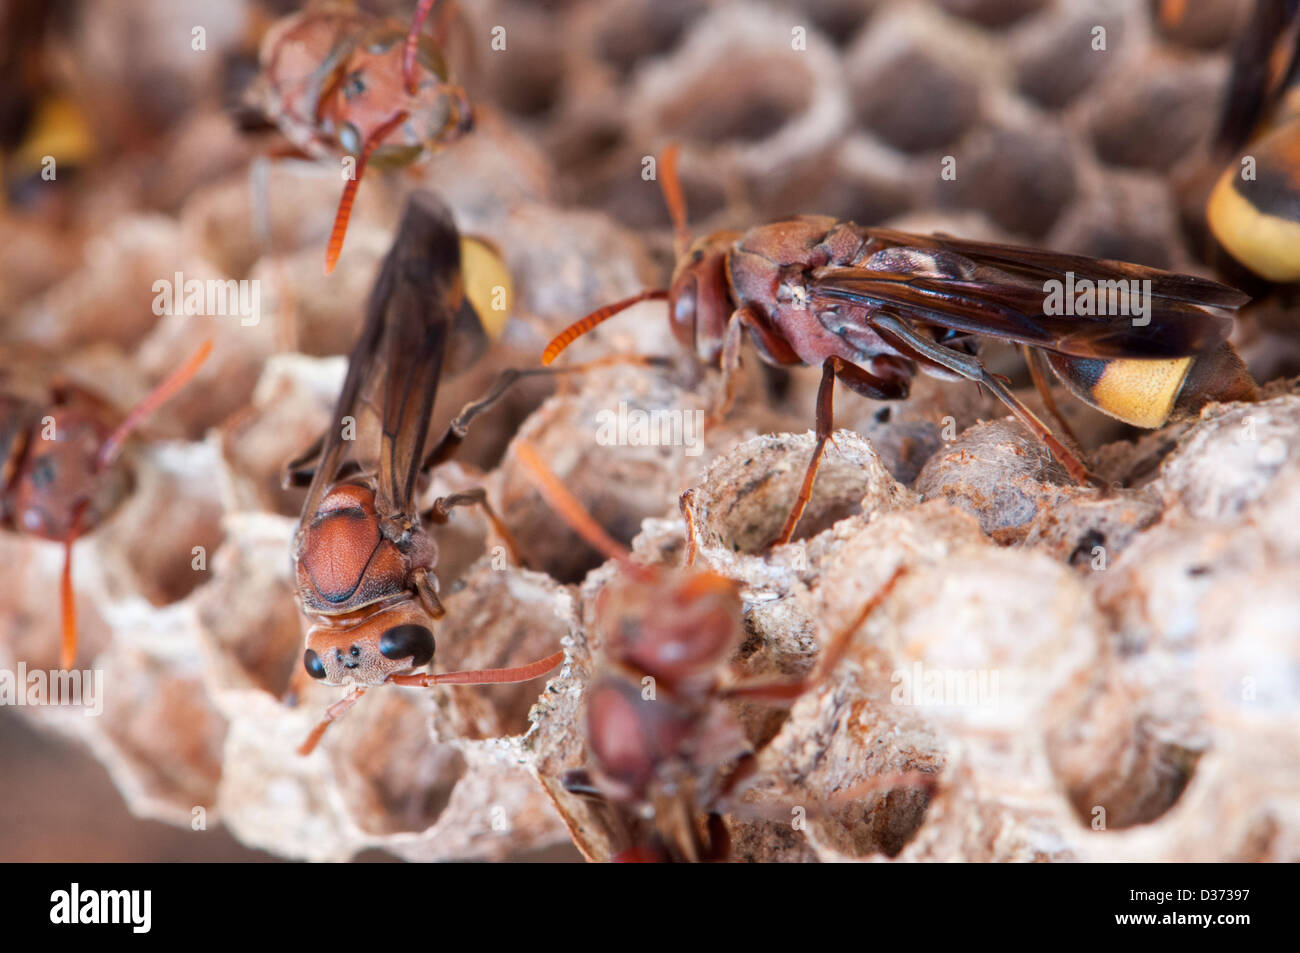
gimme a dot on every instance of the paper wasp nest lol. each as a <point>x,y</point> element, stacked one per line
<point>1133,656</point>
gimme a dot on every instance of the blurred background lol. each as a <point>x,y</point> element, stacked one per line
<point>60,805</point>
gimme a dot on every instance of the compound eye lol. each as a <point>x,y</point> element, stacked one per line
<point>408,641</point>
<point>684,305</point>
<point>312,663</point>
<point>350,138</point>
<point>354,85</point>
<point>44,471</point>
<point>684,300</point>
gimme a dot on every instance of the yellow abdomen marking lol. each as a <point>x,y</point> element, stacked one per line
<point>1267,245</point>
<point>1258,220</point>
<point>1140,392</point>
<point>487,284</point>
<point>59,130</point>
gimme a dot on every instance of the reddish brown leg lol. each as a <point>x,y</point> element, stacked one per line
<point>424,588</point>
<point>901,335</point>
<point>332,714</point>
<point>443,506</point>
<point>777,351</point>
<point>781,691</point>
<point>164,392</point>
<point>860,381</point>
<point>457,430</point>
<point>825,420</point>
<point>730,368</point>
<point>1041,375</point>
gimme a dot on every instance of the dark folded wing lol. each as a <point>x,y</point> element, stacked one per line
<point>1001,292</point>
<point>365,363</point>
<point>419,293</point>
<point>1265,56</point>
<point>1040,265</point>
<point>398,357</point>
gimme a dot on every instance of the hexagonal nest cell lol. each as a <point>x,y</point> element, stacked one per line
<point>960,653</point>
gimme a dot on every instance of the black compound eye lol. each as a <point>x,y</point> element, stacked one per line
<point>684,304</point>
<point>43,472</point>
<point>403,641</point>
<point>354,85</point>
<point>312,663</point>
<point>683,301</point>
<point>350,138</point>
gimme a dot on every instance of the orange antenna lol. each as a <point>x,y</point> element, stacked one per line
<point>675,199</point>
<point>580,327</point>
<point>484,676</point>
<point>832,654</point>
<point>67,596</point>
<point>567,506</point>
<point>164,392</point>
<point>340,229</point>
<point>68,655</point>
<point>413,42</point>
